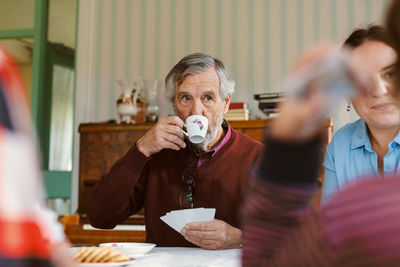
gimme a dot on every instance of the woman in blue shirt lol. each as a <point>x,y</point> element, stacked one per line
<point>370,145</point>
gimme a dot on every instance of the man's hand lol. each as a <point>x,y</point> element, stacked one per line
<point>167,133</point>
<point>215,234</point>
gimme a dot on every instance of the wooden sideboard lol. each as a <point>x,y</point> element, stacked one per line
<point>102,144</point>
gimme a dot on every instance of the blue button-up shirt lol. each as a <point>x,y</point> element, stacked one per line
<point>350,157</point>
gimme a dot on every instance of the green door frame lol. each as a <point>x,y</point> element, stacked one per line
<point>39,61</point>
<point>58,184</point>
<point>56,54</point>
<point>39,35</point>
<point>18,33</point>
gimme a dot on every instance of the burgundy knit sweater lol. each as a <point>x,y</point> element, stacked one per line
<point>359,227</point>
<point>155,183</point>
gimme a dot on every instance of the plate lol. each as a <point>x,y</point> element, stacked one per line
<point>107,264</point>
<point>131,249</point>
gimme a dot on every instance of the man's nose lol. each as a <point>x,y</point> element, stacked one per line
<point>197,108</point>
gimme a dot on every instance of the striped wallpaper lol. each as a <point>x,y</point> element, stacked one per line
<point>257,39</point>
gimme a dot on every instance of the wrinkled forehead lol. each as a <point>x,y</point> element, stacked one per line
<point>193,70</point>
<point>203,81</point>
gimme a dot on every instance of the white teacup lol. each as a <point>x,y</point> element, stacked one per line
<point>196,128</point>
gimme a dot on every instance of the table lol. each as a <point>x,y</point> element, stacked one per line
<point>179,256</point>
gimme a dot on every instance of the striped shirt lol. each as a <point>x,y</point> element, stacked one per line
<point>360,226</point>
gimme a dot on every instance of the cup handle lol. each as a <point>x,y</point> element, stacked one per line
<point>185,133</point>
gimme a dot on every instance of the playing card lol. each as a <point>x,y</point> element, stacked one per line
<point>204,215</point>
<point>177,219</point>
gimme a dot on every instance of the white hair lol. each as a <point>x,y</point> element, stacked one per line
<point>198,63</point>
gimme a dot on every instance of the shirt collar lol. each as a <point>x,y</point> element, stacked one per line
<point>397,138</point>
<point>360,137</point>
<point>227,128</point>
<point>211,153</point>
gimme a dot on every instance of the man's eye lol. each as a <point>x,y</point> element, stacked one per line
<point>185,98</point>
<point>208,98</point>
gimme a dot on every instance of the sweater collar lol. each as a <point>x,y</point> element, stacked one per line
<point>228,131</point>
<point>211,153</point>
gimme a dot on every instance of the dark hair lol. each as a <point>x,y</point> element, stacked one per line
<point>393,21</point>
<point>369,33</point>
<point>393,26</point>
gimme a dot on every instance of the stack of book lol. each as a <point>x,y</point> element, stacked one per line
<point>268,102</point>
<point>237,111</point>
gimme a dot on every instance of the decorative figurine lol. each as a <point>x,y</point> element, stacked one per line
<point>126,103</point>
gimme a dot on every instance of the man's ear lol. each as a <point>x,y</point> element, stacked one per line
<point>227,103</point>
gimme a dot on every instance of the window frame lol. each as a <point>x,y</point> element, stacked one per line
<point>58,183</point>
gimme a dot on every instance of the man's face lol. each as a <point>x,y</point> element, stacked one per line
<point>198,94</point>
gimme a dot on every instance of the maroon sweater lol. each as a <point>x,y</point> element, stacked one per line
<point>155,183</point>
<point>359,227</point>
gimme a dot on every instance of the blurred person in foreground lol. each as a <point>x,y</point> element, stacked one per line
<point>370,145</point>
<point>161,166</point>
<point>358,227</point>
<point>29,232</point>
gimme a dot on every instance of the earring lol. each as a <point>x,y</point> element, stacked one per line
<point>348,107</point>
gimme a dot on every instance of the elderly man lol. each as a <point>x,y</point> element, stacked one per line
<point>154,171</point>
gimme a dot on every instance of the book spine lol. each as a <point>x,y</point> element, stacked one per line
<point>238,105</point>
<point>267,105</point>
<point>269,95</point>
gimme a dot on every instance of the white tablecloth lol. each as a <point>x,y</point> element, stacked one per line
<point>177,256</point>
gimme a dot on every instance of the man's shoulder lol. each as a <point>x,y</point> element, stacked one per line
<point>241,149</point>
<point>243,139</point>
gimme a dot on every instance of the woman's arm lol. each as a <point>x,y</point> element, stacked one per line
<point>330,186</point>
<point>278,201</point>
